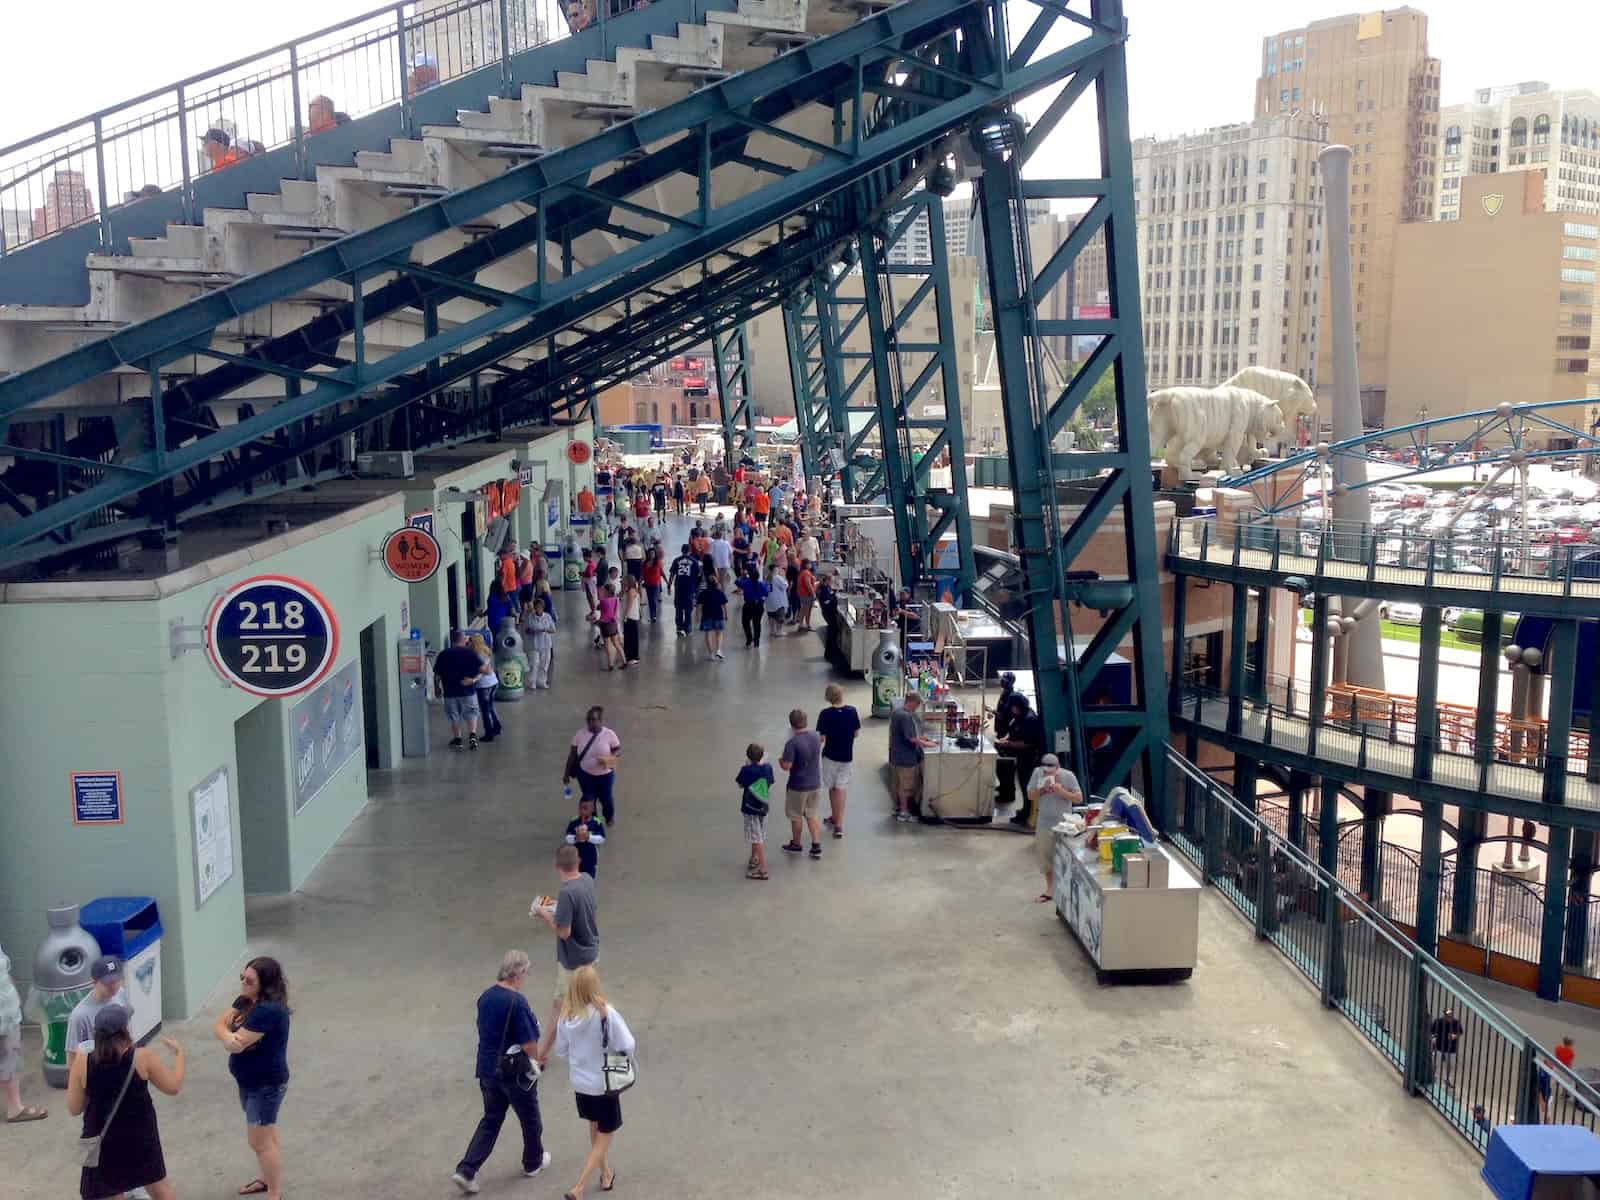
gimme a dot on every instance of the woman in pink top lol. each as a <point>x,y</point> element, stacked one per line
<point>610,629</point>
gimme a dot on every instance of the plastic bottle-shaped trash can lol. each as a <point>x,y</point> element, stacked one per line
<point>886,683</point>
<point>510,663</point>
<point>60,979</point>
<point>571,565</point>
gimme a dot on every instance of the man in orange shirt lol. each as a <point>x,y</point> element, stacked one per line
<point>763,504</point>
<point>586,502</point>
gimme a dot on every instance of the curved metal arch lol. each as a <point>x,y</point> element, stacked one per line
<point>1515,421</point>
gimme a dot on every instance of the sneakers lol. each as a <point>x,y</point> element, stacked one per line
<point>469,1186</point>
<point>540,1167</point>
<point>472,741</point>
<point>816,850</point>
<point>902,816</point>
<point>838,831</point>
<point>456,743</point>
<point>719,655</point>
<point>793,848</point>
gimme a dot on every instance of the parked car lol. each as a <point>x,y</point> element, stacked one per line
<point>1401,612</point>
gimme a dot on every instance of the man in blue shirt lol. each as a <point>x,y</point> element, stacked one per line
<point>837,726</point>
<point>505,1022</point>
<point>685,576</point>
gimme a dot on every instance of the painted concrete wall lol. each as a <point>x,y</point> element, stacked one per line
<point>93,686</point>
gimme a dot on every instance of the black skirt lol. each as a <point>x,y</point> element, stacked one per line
<point>604,1111</point>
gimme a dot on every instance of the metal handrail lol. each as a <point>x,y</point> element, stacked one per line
<point>78,172</point>
<point>1362,544</point>
<point>1505,1074</point>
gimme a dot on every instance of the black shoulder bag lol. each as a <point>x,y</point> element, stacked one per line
<point>514,1066</point>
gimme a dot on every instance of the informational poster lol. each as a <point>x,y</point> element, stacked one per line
<point>96,797</point>
<point>328,731</point>
<point>422,520</point>
<point>212,811</point>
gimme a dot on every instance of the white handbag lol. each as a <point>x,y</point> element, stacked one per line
<point>619,1072</point>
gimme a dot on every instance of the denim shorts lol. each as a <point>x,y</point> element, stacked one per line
<point>261,1104</point>
<point>461,708</point>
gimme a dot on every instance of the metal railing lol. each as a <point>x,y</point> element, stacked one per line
<point>1348,550</point>
<point>1385,735</point>
<point>1450,1047</point>
<point>288,95</point>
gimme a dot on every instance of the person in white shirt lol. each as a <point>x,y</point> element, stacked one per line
<point>539,627</point>
<point>806,548</point>
<point>588,1030</point>
<point>722,558</point>
<point>1053,792</point>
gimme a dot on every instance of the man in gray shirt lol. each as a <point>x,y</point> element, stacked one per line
<point>802,758</point>
<point>906,745</point>
<point>575,922</point>
<point>107,975</point>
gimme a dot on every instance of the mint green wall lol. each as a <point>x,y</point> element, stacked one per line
<point>92,686</point>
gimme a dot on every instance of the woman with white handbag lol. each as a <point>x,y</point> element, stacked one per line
<point>598,1047</point>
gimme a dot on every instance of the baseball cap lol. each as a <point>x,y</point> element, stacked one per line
<point>113,1018</point>
<point>106,967</point>
<point>1049,760</point>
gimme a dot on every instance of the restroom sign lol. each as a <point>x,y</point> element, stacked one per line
<point>272,635</point>
<point>411,555</point>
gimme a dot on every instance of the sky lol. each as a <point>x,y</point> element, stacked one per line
<point>1190,65</point>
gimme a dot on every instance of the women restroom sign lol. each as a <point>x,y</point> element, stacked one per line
<point>272,636</point>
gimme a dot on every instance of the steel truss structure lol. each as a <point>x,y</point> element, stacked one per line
<point>730,355</point>
<point>905,392</point>
<point>656,235</point>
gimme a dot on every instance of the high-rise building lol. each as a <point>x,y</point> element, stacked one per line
<point>66,202</point>
<point>1523,127</point>
<point>1230,250</point>
<point>1497,305</point>
<point>1369,77</point>
<point>1084,291</point>
<point>914,247</point>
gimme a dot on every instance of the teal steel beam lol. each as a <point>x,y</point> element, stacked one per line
<point>893,437</point>
<point>1562,663</point>
<point>730,354</point>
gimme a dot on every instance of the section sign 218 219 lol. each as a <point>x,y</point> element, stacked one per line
<point>272,635</point>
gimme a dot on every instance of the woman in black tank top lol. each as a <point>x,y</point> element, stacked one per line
<point>130,1151</point>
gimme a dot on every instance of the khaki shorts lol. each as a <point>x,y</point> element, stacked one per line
<point>1044,844</point>
<point>564,979</point>
<point>10,1055</point>
<point>800,804</point>
<point>907,784</point>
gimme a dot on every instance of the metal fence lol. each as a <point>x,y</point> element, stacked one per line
<point>82,170</point>
<point>1385,735</point>
<point>1346,551</point>
<point>1449,1046</point>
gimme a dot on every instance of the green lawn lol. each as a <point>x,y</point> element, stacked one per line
<point>1412,633</point>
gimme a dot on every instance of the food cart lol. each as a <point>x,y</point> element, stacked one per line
<point>1137,915</point>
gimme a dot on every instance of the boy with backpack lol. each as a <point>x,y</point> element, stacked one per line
<point>755,780</point>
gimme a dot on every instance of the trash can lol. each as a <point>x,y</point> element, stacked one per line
<point>131,926</point>
<point>60,979</point>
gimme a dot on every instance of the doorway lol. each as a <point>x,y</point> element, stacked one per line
<point>369,692</point>
<point>469,558</point>
<point>452,586</point>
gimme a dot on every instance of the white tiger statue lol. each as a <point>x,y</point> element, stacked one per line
<point>1196,424</point>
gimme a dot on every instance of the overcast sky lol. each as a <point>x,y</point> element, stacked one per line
<point>1191,65</point>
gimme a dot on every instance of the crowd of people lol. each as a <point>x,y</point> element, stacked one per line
<point>758,551</point>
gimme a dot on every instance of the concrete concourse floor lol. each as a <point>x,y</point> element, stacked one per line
<point>898,1020</point>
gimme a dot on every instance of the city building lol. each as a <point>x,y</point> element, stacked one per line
<point>16,226</point>
<point>66,202</point>
<point>1369,78</point>
<point>1496,305</point>
<point>1230,250</point>
<point>1523,127</point>
<point>1083,292</point>
<point>914,247</point>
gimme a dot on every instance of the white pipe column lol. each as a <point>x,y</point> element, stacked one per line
<point>1352,508</point>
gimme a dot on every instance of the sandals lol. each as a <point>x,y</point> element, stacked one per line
<point>27,1113</point>
<point>256,1187</point>
<point>752,873</point>
<point>1043,898</point>
<point>606,1187</point>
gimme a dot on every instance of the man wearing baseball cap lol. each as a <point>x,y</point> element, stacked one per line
<point>107,974</point>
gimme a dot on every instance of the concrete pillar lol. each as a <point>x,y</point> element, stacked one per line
<point>1584,846</point>
<point>1245,772</point>
<point>1427,915</point>
<point>1470,826</point>
<point>1551,935</point>
<point>1374,807</point>
<point>1488,688</point>
<point>1299,784</point>
<point>1236,658</point>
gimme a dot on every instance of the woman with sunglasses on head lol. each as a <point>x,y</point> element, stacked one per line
<point>255,1030</point>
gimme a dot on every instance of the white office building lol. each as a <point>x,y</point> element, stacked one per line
<point>1523,127</point>
<point>1230,249</point>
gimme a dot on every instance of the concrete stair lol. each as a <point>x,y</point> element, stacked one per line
<point>274,228</point>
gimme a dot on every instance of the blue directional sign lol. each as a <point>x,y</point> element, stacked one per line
<point>272,635</point>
